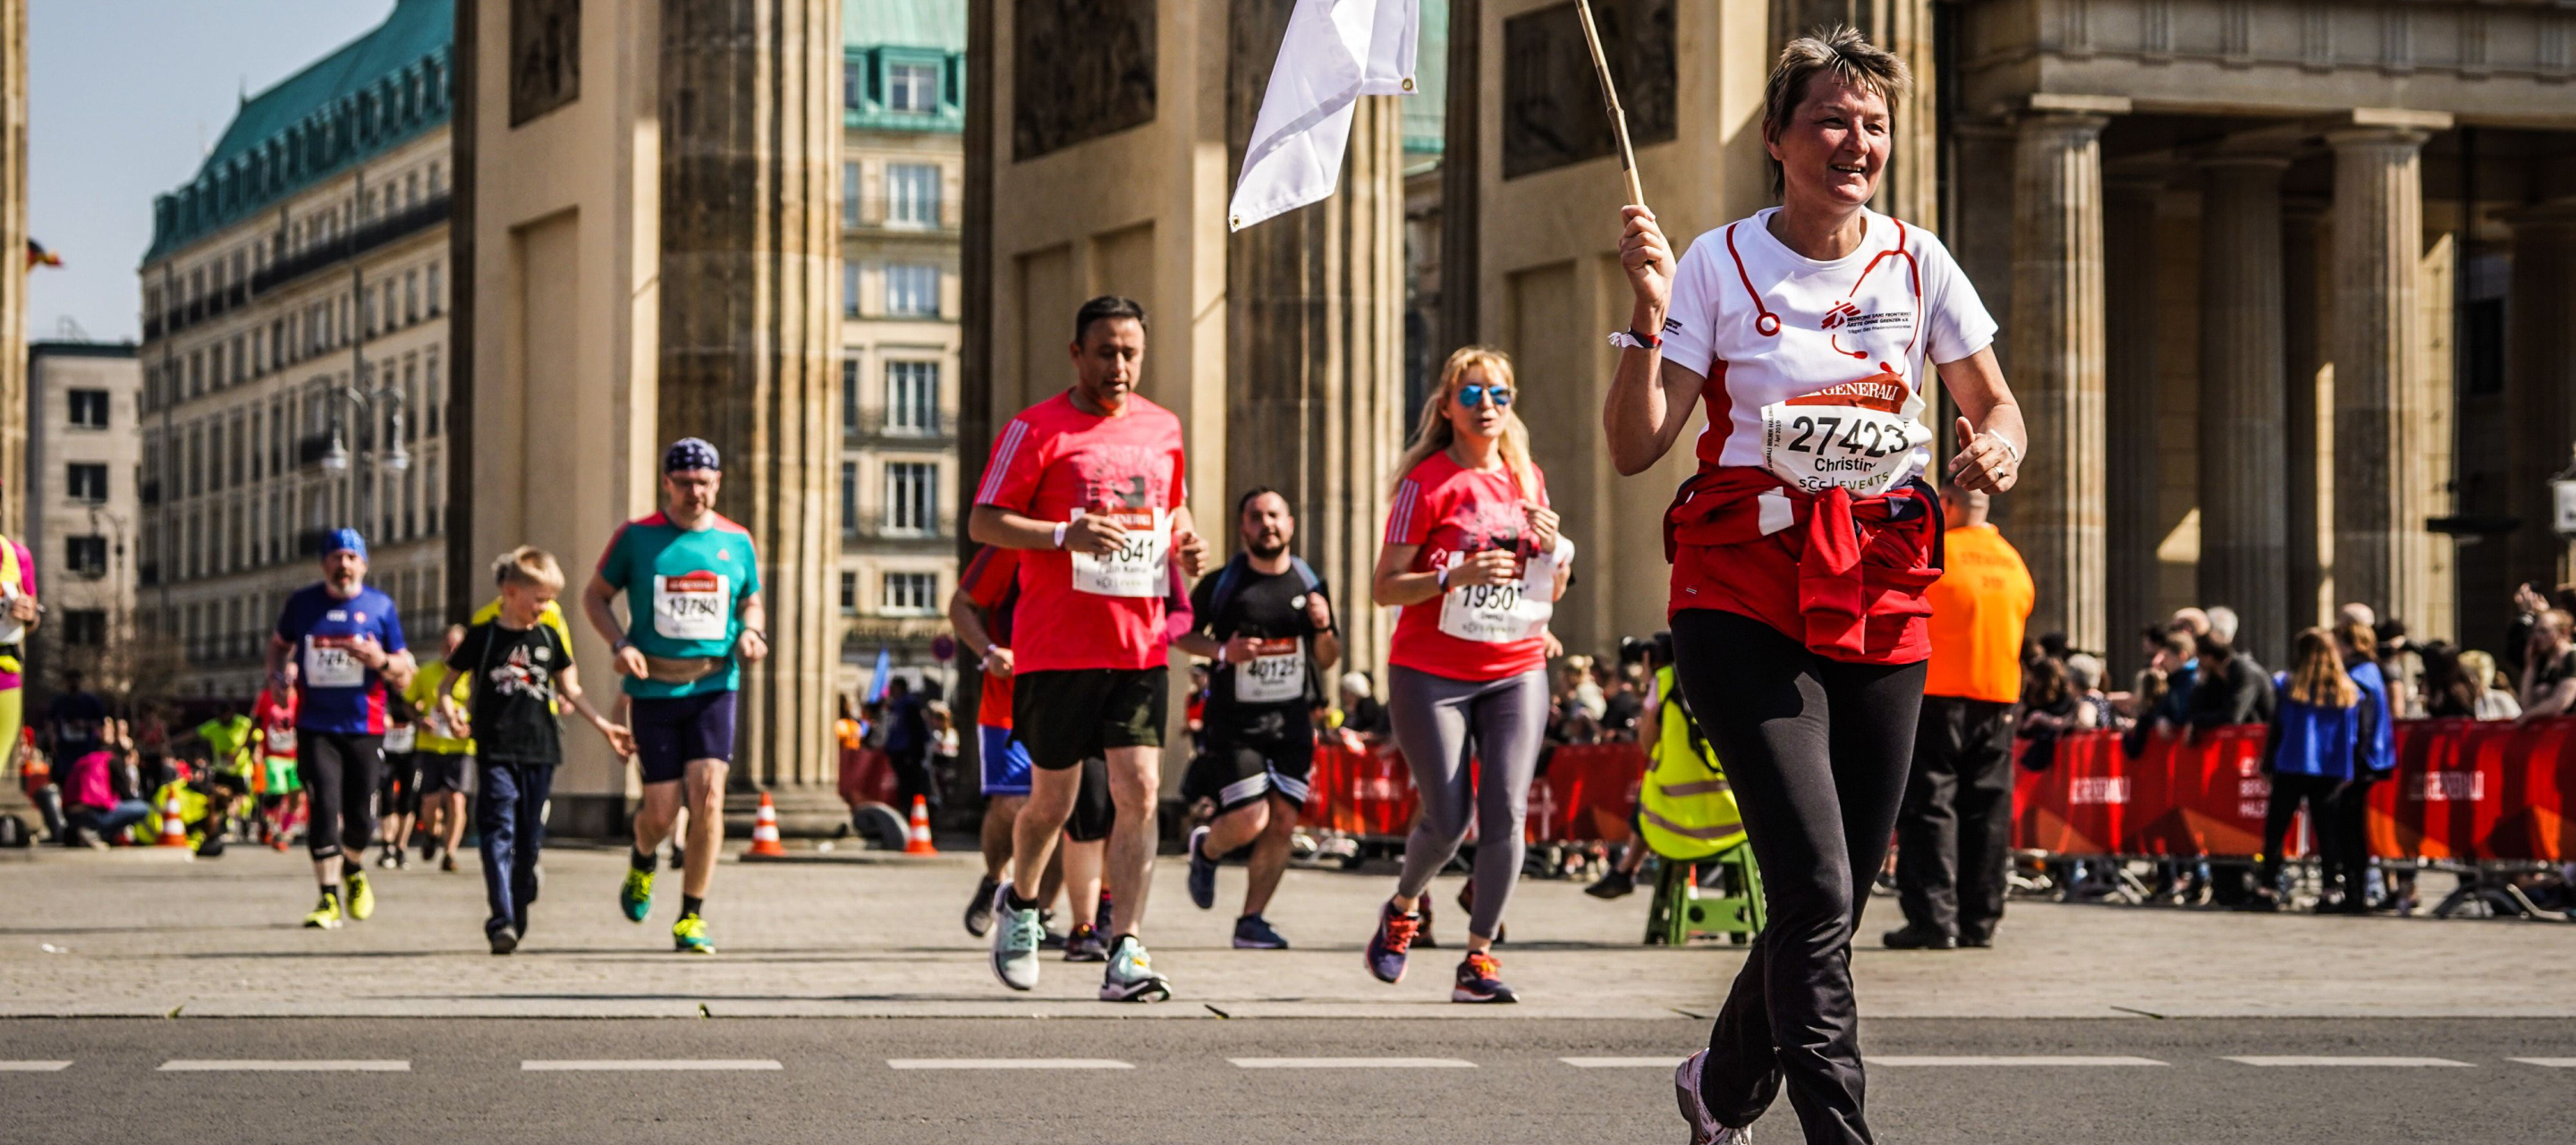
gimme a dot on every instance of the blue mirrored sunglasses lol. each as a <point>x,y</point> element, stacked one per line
<point>1473,395</point>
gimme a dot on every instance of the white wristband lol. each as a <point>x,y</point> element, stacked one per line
<point>2009,448</point>
<point>1060,527</point>
<point>1220,655</point>
<point>1444,578</point>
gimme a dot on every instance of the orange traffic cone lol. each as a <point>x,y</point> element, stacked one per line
<point>917,841</point>
<point>173,832</point>
<point>764,829</point>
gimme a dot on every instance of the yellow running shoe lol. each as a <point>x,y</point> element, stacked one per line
<point>689,936</point>
<point>362,898</point>
<point>636,897</point>
<point>325,916</point>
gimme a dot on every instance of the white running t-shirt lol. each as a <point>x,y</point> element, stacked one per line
<point>1784,339</point>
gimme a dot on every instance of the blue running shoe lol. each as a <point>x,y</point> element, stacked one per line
<point>1253,932</point>
<point>1387,947</point>
<point>1202,872</point>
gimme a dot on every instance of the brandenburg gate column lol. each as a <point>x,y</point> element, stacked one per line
<point>2383,480</point>
<point>2540,384</point>
<point>2056,514</point>
<point>2244,516</point>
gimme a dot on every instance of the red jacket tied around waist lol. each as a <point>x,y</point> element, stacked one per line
<point>1845,575</point>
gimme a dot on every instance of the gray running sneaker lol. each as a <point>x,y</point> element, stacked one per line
<point>1704,1128</point>
<point>1015,941</point>
<point>1131,976</point>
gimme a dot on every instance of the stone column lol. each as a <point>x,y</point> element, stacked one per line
<point>13,240</point>
<point>2540,384</point>
<point>2133,486</point>
<point>2308,436</point>
<point>1462,149</point>
<point>2244,550</point>
<point>2382,479</point>
<point>1315,342</point>
<point>751,119</point>
<point>2055,516</point>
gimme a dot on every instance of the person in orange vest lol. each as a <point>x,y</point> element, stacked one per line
<point>1954,828</point>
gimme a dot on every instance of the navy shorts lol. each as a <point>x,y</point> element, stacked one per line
<point>670,732</point>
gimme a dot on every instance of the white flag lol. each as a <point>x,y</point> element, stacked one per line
<point>1335,52</point>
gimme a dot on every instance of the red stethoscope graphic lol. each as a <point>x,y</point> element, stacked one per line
<point>1767,323</point>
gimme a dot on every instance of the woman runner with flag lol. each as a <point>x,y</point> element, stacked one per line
<point>1802,546</point>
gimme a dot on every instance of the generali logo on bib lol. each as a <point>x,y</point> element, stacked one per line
<point>697,593</point>
<point>1884,392</point>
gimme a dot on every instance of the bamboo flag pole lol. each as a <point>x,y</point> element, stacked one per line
<point>1610,97</point>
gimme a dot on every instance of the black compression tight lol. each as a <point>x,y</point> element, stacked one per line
<point>1817,751</point>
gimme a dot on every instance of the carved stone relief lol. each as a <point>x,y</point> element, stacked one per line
<point>545,56</point>
<point>1552,111</point>
<point>1080,69</point>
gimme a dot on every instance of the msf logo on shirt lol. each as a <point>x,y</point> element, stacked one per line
<point>1841,313</point>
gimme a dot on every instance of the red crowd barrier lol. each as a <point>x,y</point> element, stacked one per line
<point>867,776</point>
<point>1584,796</point>
<point>2462,790</point>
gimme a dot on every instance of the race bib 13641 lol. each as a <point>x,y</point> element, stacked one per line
<point>1137,568</point>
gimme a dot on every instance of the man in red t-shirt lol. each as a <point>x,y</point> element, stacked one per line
<point>1090,485</point>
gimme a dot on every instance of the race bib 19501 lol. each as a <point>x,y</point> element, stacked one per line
<point>1137,568</point>
<point>692,606</point>
<point>1503,613</point>
<point>1275,674</point>
<point>1831,439</point>
<point>331,666</point>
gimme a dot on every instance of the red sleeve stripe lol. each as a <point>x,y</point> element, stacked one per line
<point>1000,467</point>
<point>1399,521</point>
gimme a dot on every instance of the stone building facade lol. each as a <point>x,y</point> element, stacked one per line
<point>84,459</point>
<point>295,352</point>
<point>902,178</point>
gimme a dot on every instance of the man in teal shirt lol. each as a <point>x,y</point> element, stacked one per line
<point>692,587</point>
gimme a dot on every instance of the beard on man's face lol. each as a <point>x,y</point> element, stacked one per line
<point>1266,546</point>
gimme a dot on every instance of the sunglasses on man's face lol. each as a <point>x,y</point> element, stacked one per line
<point>1473,395</point>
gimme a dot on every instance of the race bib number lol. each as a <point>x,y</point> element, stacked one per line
<point>1276,673</point>
<point>435,721</point>
<point>1137,568</point>
<point>1815,446</point>
<point>1503,613</point>
<point>399,739</point>
<point>692,606</point>
<point>281,741</point>
<point>12,629</point>
<point>331,666</point>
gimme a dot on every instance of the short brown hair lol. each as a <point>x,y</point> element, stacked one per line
<point>1841,50</point>
<point>529,565</point>
<point>2358,637</point>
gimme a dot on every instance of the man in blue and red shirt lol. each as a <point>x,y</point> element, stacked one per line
<point>339,644</point>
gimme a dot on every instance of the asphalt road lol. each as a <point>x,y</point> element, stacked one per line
<point>969,1080</point>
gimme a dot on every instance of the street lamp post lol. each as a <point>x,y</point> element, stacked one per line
<point>387,457</point>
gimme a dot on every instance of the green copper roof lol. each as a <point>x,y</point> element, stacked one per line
<point>937,24</point>
<point>375,93</point>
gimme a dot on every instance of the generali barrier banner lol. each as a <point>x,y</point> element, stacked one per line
<point>2462,790</point>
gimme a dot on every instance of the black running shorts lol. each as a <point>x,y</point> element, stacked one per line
<point>1070,715</point>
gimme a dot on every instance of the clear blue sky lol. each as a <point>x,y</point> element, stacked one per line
<point>125,96</point>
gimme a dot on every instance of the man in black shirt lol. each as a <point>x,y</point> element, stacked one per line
<point>1267,621</point>
<point>514,670</point>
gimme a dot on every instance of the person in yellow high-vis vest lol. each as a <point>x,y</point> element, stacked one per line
<point>1685,810</point>
<point>17,620</point>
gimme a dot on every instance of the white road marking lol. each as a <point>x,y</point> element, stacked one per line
<point>1352,1063</point>
<point>272,1065</point>
<point>32,1067</point>
<point>2113,1061</point>
<point>613,1065</point>
<point>1006,1063</point>
<point>1622,1063</point>
<point>2547,1063</point>
<point>2322,1060</point>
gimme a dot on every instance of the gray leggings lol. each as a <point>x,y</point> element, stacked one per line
<point>1442,723</point>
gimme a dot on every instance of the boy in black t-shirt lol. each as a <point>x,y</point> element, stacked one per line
<point>515,670</point>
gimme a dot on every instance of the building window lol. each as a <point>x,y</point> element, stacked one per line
<point>849,194</point>
<point>88,482</point>
<point>912,397</point>
<point>849,391</point>
<point>89,408</point>
<point>910,593</point>
<point>84,627</point>
<point>912,290</point>
<point>850,289</point>
<point>850,497</point>
<point>912,88</point>
<point>853,82</point>
<point>436,300</point>
<point>85,556</point>
<point>912,499</point>
<point>912,195</point>
<point>849,592</point>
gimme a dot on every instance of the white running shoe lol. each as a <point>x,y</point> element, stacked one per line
<point>1016,934</point>
<point>1703,1124</point>
<point>1131,976</point>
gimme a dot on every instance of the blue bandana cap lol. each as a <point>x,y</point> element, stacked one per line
<point>690,453</point>
<point>348,539</point>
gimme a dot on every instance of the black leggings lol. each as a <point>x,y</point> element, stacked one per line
<point>2289,789</point>
<point>339,772</point>
<point>1817,751</point>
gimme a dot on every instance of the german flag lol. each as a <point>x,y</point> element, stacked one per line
<point>38,256</point>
